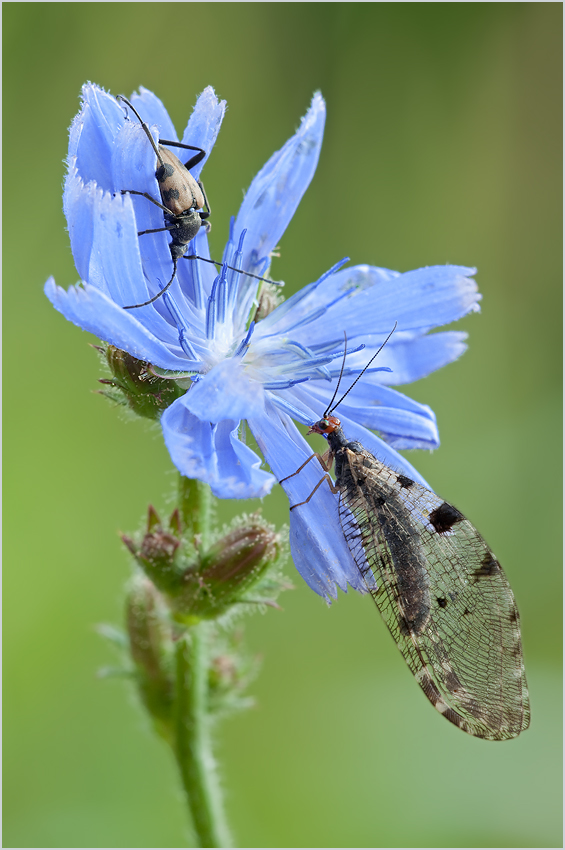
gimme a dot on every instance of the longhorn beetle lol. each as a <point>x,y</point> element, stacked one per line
<point>183,199</point>
<point>438,586</point>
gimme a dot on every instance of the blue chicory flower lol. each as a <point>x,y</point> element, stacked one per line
<point>270,372</point>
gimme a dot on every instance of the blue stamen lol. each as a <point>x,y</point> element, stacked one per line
<point>292,411</point>
<point>182,328</point>
<point>198,293</point>
<point>222,295</point>
<point>357,370</point>
<point>237,260</point>
<point>311,362</point>
<point>299,349</point>
<point>284,385</point>
<point>331,347</point>
<point>228,250</point>
<point>242,347</point>
<point>211,311</point>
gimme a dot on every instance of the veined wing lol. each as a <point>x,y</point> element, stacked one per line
<point>442,594</point>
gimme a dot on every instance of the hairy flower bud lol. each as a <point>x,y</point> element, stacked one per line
<point>151,650</point>
<point>144,392</point>
<point>228,570</point>
<point>157,554</point>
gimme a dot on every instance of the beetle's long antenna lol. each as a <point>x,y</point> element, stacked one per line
<point>195,257</point>
<point>149,136</point>
<point>340,377</point>
<point>233,268</point>
<point>360,375</point>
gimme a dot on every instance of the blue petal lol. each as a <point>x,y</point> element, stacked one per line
<point>410,425</point>
<point>91,214</point>
<point>106,248</point>
<point>411,359</point>
<point>226,392</point>
<point>306,304</point>
<point>214,454</point>
<point>276,191</point>
<point>92,310</point>
<point>153,113</point>
<point>318,547</point>
<point>117,155</point>
<point>202,128</point>
<point>92,135</point>
<point>416,301</point>
<point>204,125</point>
<point>78,205</point>
<point>114,264</point>
<point>367,392</point>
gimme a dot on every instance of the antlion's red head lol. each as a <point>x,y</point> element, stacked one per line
<point>325,426</point>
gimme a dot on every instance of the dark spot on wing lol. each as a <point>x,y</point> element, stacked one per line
<point>513,616</point>
<point>445,517</point>
<point>442,601</point>
<point>404,481</point>
<point>466,612</point>
<point>403,626</point>
<point>489,567</point>
<point>451,681</point>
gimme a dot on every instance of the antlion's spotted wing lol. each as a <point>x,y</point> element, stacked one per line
<point>442,594</point>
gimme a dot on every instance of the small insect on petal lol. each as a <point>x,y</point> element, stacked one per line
<point>184,202</point>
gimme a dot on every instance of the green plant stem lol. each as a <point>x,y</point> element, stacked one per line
<point>195,505</point>
<point>193,748</point>
<point>192,740</point>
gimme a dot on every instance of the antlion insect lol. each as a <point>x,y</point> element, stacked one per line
<point>438,586</point>
<point>183,201</point>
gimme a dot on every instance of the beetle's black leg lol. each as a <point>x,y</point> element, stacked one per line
<point>157,230</point>
<point>145,195</point>
<point>207,205</point>
<point>194,160</point>
<point>155,297</point>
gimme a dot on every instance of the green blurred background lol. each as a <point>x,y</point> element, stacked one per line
<point>442,144</point>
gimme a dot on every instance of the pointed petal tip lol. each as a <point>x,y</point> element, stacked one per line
<point>318,100</point>
<point>209,94</point>
<point>316,113</point>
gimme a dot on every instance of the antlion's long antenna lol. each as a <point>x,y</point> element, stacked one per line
<point>360,375</point>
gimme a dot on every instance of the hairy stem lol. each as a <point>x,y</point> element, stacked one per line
<point>195,504</point>
<point>192,740</point>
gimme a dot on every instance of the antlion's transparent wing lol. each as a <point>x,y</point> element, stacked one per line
<point>442,594</point>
